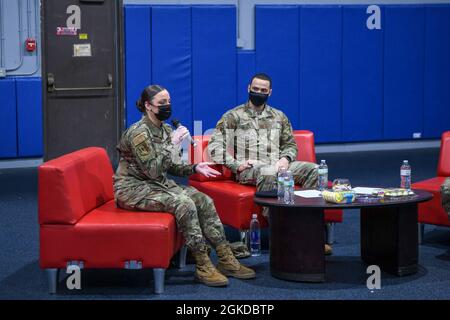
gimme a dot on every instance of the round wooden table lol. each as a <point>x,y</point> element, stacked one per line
<point>389,235</point>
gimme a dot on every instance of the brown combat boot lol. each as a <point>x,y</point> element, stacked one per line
<point>230,266</point>
<point>205,271</point>
<point>328,249</point>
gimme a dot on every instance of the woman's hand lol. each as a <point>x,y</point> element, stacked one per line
<point>204,169</point>
<point>179,135</point>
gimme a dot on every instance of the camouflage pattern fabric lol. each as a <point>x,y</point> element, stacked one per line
<point>141,183</point>
<point>239,249</point>
<point>305,174</point>
<point>265,137</point>
<point>445,195</point>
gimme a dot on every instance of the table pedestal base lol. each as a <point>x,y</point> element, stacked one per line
<point>297,242</point>
<point>389,238</point>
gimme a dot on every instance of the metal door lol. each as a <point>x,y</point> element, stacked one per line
<point>82,73</point>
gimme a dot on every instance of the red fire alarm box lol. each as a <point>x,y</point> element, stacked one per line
<point>30,45</point>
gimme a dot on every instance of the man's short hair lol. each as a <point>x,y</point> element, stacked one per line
<point>262,76</point>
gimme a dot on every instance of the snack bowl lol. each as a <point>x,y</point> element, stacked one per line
<point>396,193</point>
<point>341,184</point>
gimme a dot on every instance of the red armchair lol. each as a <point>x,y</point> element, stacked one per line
<point>81,225</point>
<point>432,212</point>
<point>234,202</point>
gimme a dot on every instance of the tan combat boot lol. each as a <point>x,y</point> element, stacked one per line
<point>328,249</point>
<point>205,271</point>
<point>230,266</point>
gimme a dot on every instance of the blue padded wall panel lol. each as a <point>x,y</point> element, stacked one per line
<point>362,77</point>
<point>171,57</point>
<point>277,48</point>
<point>403,71</point>
<point>320,71</point>
<point>137,57</point>
<point>8,119</point>
<point>246,69</point>
<point>29,117</point>
<point>214,73</point>
<point>437,71</point>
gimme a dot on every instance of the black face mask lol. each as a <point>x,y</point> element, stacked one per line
<point>164,113</point>
<point>257,99</point>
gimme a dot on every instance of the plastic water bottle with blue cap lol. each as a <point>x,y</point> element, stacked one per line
<point>323,175</point>
<point>289,188</point>
<point>280,183</point>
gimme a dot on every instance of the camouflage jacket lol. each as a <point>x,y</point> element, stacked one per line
<point>147,154</point>
<point>246,134</point>
<point>445,195</point>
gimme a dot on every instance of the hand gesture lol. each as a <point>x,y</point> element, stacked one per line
<point>179,135</point>
<point>204,169</point>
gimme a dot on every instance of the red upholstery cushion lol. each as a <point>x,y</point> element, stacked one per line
<point>444,156</point>
<point>305,144</point>
<point>200,154</point>
<point>74,184</point>
<point>432,212</point>
<point>233,202</point>
<point>107,237</point>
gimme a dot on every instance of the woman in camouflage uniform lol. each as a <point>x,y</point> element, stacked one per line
<point>149,149</point>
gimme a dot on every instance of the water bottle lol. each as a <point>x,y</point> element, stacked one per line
<point>405,175</point>
<point>289,188</point>
<point>280,183</point>
<point>255,236</point>
<point>323,175</point>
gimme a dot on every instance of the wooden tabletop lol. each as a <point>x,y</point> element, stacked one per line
<point>300,202</point>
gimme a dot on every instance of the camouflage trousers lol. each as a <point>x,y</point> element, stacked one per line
<point>445,196</point>
<point>305,174</point>
<point>194,212</point>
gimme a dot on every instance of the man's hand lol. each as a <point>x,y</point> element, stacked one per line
<point>247,164</point>
<point>282,163</point>
<point>179,135</point>
<point>204,169</point>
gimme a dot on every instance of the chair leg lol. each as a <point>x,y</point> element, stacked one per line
<point>158,276</point>
<point>52,278</point>
<point>244,234</point>
<point>330,232</point>
<point>421,232</point>
<point>182,261</point>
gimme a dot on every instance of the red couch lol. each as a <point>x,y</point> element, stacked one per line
<point>233,201</point>
<point>81,225</point>
<point>432,212</point>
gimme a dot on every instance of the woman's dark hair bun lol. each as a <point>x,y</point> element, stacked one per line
<point>140,106</point>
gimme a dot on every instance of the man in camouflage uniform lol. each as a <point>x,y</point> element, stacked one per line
<point>147,154</point>
<point>445,195</point>
<point>261,139</point>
